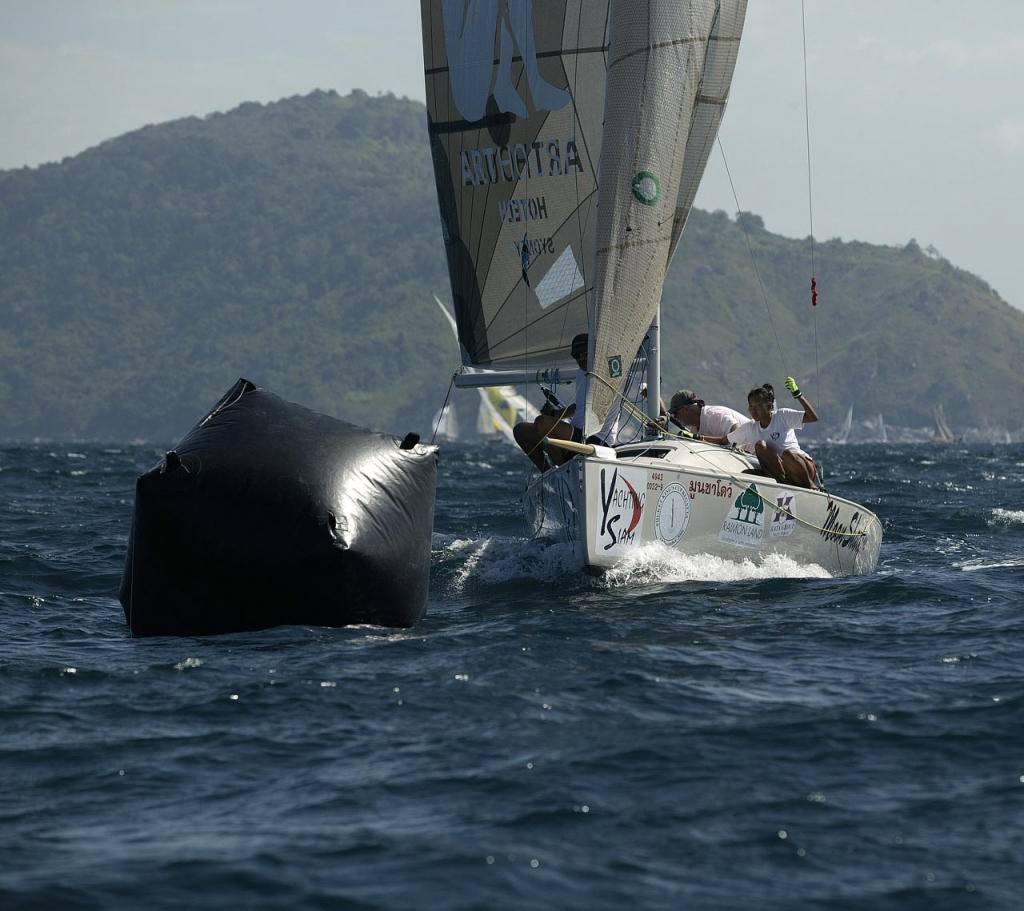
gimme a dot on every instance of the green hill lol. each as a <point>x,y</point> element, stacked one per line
<point>297,244</point>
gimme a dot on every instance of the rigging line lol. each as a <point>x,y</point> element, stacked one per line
<point>810,199</point>
<point>750,250</point>
<point>440,414</point>
<point>627,405</point>
<point>807,138</point>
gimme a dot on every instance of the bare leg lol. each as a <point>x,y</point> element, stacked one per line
<point>561,431</point>
<point>531,436</point>
<point>770,460</point>
<point>799,471</point>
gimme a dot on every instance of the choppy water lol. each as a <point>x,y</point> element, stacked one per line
<point>685,734</point>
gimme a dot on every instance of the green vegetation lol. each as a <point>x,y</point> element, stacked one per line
<point>895,331</point>
<point>297,244</point>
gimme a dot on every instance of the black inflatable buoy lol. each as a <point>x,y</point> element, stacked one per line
<point>267,513</point>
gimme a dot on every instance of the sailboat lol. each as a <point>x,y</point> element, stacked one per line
<point>445,423</point>
<point>569,139</point>
<point>500,408</point>
<point>942,432</point>
<point>844,432</point>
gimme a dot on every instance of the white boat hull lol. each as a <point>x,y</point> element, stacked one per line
<point>697,499</point>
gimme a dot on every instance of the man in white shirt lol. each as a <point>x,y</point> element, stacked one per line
<point>708,423</point>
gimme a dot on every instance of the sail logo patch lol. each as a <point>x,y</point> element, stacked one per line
<point>646,188</point>
<point>744,523</point>
<point>472,31</point>
<point>615,366</point>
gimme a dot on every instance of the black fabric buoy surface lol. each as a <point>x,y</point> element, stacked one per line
<point>267,513</point>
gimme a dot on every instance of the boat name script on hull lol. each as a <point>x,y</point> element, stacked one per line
<point>844,535</point>
<point>716,488</point>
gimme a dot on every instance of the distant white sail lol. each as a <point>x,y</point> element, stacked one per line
<point>501,407</point>
<point>844,432</point>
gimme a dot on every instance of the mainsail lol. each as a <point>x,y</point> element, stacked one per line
<point>515,98</point>
<point>670,68</point>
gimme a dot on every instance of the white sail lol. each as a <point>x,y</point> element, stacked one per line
<point>501,407</point>
<point>844,432</point>
<point>445,424</point>
<point>942,432</point>
<point>670,68</point>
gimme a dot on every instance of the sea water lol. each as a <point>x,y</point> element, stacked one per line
<point>682,733</point>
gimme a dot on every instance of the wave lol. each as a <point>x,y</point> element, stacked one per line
<point>494,560</point>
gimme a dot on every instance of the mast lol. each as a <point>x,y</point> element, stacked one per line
<point>654,369</point>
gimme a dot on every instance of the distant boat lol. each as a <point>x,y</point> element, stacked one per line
<point>942,432</point>
<point>501,407</point>
<point>844,432</point>
<point>445,424</point>
<point>883,434</point>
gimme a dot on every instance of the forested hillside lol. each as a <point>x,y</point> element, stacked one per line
<point>297,244</point>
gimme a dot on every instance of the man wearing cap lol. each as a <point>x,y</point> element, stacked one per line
<point>708,423</point>
<point>567,425</point>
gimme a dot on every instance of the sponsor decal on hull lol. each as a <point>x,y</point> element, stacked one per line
<point>623,495</point>
<point>744,523</point>
<point>783,522</point>
<point>673,514</point>
<point>845,534</point>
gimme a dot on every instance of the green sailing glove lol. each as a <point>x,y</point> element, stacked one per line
<point>792,387</point>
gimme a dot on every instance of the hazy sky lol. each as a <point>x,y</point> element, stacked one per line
<point>916,107</point>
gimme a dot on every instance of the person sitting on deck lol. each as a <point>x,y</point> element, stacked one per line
<point>773,433</point>
<point>566,424</point>
<point>708,423</point>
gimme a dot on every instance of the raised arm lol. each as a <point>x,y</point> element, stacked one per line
<point>810,415</point>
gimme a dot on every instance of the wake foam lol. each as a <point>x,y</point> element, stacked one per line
<point>1007,517</point>
<point>658,563</point>
<point>496,560</point>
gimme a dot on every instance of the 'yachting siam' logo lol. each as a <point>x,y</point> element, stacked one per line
<point>622,507</point>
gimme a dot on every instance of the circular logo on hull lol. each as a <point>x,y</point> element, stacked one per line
<point>673,514</point>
